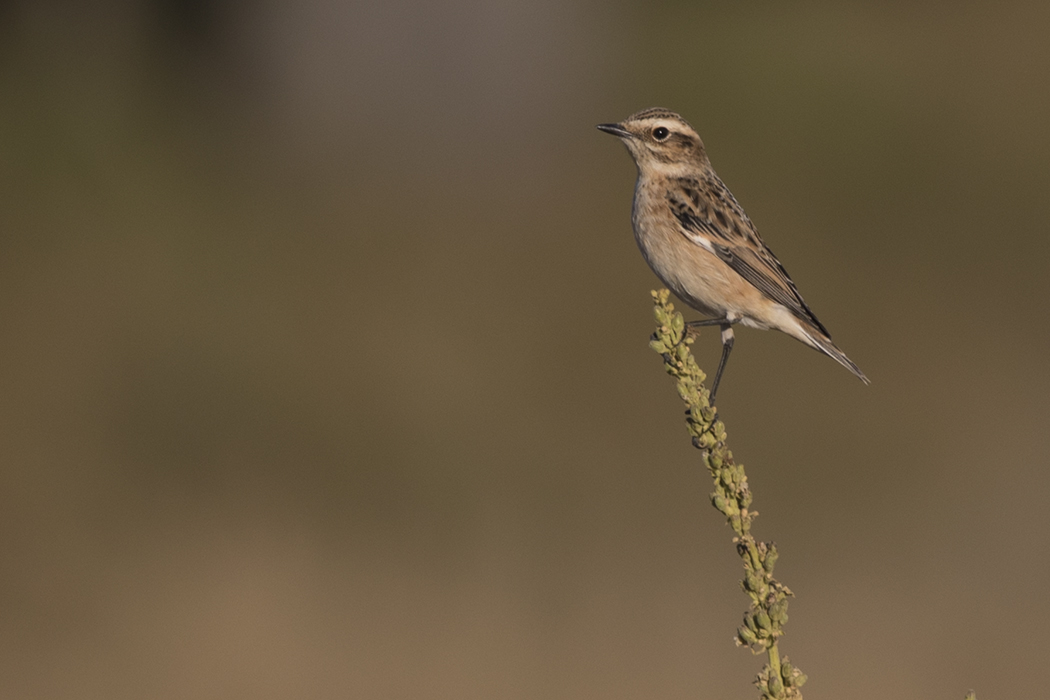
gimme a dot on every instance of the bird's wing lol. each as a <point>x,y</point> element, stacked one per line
<point>711,217</point>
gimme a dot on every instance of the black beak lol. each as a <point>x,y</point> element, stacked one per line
<point>616,130</point>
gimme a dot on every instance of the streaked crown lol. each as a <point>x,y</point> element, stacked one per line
<point>660,139</point>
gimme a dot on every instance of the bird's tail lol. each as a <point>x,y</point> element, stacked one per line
<point>824,344</point>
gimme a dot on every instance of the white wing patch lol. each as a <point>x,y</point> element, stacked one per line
<point>702,241</point>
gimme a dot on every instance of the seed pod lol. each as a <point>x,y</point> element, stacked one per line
<point>764,630</point>
<point>776,686</point>
<point>778,611</point>
<point>771,558</point>
<point>677,325</point>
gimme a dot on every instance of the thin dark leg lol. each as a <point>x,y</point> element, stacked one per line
<point>706,322</point>
<point>727,347</point>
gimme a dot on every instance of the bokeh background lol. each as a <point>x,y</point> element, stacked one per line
<point>324,366</point>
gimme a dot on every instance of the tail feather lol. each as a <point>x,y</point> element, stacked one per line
<point>829,348</point>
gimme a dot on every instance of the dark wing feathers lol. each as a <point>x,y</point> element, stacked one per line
<point>688,214</point>
<point>707,208</point>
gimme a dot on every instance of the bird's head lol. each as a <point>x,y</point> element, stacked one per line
<point>660,140</point>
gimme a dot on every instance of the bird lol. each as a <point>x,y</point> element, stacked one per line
<point>700,243</point>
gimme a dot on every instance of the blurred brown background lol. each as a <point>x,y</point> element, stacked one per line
<point>323,363</point>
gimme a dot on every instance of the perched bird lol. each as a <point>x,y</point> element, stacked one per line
<point>698,240</point>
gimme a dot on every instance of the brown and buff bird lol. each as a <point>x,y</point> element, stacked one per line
<point>698,240</point>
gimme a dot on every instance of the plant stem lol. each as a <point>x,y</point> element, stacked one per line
<point>765,619</point>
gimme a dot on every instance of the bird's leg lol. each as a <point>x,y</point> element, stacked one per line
<point>692,327</point>
<point>726,324</point>
<point>727,347</point>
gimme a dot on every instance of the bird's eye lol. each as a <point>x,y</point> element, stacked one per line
<point>660,133</point>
